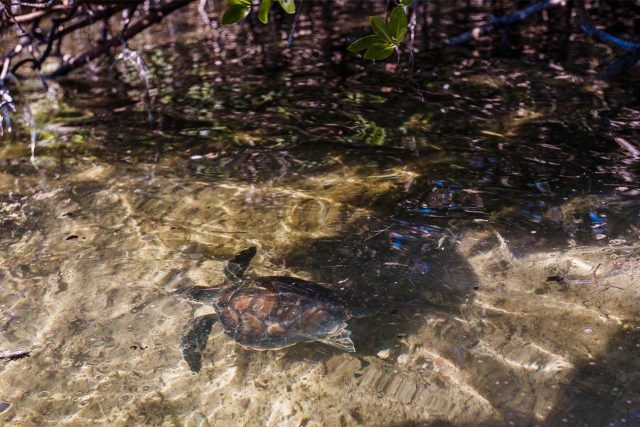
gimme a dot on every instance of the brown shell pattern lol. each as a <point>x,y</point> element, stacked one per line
<point>273,312</point>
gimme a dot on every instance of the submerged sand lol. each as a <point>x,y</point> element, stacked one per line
<point>88,277</point>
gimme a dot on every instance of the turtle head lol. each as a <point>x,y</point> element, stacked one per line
<point>235,268</point>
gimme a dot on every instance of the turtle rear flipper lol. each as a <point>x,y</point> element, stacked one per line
<point>194,340</point>
<point>342,340</point>
<point>235,268</point>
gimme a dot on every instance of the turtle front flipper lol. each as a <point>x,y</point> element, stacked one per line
<point>341,340</point>
<point>194,340</point>
<point>199,293</point>
<point>235,268</point>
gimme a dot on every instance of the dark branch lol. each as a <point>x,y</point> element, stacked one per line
<point>622,64</point>
<point>153,17</point>
<point>504,21</point>
<point>608,38</point>
<point>594,32</point>
<point>619,66</point>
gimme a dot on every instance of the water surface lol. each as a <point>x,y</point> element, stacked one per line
<point>448,196</point>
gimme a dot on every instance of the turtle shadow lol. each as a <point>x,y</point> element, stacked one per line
<point>391,287</point>
<point>604,390</point>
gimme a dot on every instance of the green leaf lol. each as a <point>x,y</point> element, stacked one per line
<point>235,13</point>
<point>406,2</point>
<point>288,6</point>
<point>380,28</point>
<point>379,51</point>
<point>239,2</point>
<point>364,43</point>
<point>398,23</point>
<point>263,11</point>
<point>400,37</point>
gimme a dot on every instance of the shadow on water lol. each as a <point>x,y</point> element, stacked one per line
<point>604,390</point>
<point>395,287</point>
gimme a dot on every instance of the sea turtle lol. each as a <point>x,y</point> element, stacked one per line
<point>266,313</point>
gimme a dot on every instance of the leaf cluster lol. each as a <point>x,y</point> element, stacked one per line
<point>239,9</point>
<point>386,36</point>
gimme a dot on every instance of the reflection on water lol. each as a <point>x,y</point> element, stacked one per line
<point>450,215</point>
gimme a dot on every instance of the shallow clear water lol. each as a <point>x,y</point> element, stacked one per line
<point>446,199</point>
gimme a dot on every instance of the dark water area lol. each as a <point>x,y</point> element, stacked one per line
<point>485,201</point>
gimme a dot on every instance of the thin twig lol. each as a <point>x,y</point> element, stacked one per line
<point>593,281</point>
<point>377,233</point>
<point>14,354</point>
<point>293,25</point>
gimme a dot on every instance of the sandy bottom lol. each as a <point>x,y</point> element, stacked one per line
<point>87,285</point>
